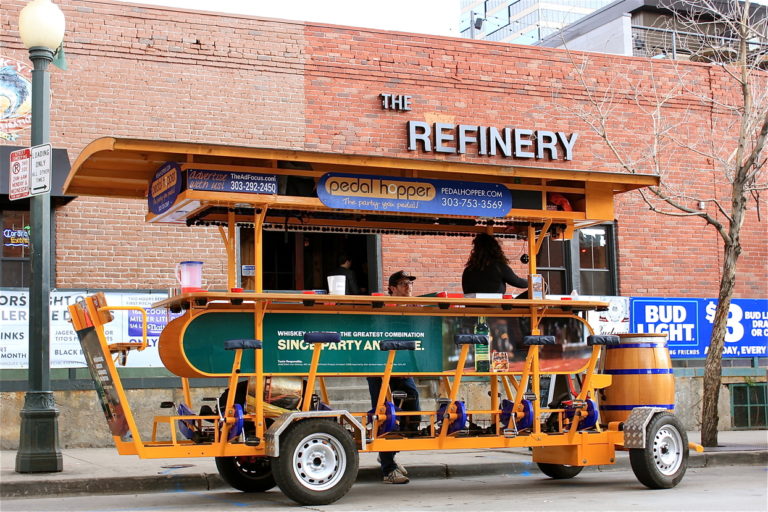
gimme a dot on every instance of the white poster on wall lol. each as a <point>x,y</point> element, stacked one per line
<point>614,320</point>
<point>65,351</point>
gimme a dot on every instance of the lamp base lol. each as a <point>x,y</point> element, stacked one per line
<point>39,450</point>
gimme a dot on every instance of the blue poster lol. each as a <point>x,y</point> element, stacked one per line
<point>157,319</point>
<point>165,188</point>
<point>688,325</point>
<point>416,195</point>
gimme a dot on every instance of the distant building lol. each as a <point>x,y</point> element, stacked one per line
<point>647,28</point>
<point>521,21</point>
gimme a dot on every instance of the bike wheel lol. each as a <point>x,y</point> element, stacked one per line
<point>663,461</point>
<point>318,462</point>
<point>559,471</point>
<point>247,474</point>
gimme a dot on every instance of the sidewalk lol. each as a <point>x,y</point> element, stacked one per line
<point>103,471</point>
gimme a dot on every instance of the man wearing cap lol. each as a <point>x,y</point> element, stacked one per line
<point>400,285</point>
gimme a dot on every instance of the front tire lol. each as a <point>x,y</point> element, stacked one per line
<point>247,474</point>
<point>663,461</point>
<point>559,471</point>
<point>318,462</point>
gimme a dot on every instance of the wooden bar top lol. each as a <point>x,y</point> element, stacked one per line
<point>377,303</point>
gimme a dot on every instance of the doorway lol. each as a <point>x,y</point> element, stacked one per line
<point>302,261</point>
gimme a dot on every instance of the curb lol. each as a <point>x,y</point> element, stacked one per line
<point>208,481</point>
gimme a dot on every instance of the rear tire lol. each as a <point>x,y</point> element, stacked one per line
<point>559,471</point>
<point>318,462</point>
<point>663,461</point>
<point>247,474</point>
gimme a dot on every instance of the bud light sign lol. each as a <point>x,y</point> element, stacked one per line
<point>688,325</point>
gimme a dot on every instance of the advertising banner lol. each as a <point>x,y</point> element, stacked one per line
<point>389,194</point>
<point>286,351</point>
<point>688,325</point>
<point>230,181</point>
<point>98,364</point>
<point>65,348</point>
<point>165,188</point>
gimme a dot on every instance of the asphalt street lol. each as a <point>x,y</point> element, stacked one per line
<point>737,488</point>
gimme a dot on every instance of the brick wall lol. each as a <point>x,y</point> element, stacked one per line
<point>162,73</point>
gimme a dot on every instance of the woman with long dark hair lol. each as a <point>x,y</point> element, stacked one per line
<point>487,269</point>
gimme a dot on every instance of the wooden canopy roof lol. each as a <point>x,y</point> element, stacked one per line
<point>125,168</point>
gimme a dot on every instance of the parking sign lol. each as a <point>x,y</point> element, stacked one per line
<point>30,172</point>
<point>18,178</point>
<point>40,169</point>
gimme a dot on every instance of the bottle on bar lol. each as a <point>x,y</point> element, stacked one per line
<point>482,352</point>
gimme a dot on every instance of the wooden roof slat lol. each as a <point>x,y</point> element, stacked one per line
<point>141,158</point>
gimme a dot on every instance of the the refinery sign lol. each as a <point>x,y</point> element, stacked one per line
<point>475,139</point>
<point>490,141</point>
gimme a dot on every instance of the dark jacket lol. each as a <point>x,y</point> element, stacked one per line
<point>491,279</point>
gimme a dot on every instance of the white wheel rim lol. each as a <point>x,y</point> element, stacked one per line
<point>319,462</point>
<point>667,450</point>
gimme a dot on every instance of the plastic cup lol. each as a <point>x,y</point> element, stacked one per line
<point>337,285</point>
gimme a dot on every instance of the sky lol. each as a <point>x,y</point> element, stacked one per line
<point>438,17</point>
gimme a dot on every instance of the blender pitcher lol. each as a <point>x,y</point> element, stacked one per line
<point>190,276</point>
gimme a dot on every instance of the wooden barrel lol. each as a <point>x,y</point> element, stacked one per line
<point>642,376</point>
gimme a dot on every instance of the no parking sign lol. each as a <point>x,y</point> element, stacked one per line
<point>30,172</point>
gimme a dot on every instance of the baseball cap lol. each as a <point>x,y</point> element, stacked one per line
<point>399,276</point>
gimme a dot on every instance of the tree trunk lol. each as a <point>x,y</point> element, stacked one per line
<point>713,365</point>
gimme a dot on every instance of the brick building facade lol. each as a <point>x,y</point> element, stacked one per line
<point>161,73</point>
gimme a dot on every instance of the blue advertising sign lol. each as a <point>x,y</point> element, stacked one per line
<point>165,188</point>
<point>688,325</point>
<point>231,181</point>
<point>385,194</point>
<point>157,319</point>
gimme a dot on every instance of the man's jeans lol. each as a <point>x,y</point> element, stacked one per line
<point>411,403</point>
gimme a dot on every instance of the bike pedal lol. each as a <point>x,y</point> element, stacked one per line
<point>399,395</point>
<point>509,432</point>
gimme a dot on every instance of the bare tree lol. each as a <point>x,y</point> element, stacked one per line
<point>731,34</point>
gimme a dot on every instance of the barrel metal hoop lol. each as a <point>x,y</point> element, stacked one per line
<point>640,371</point>
<point>634,427</point>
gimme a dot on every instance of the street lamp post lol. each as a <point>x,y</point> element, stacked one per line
<point>41,26</point>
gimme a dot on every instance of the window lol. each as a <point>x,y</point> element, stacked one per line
<point>303,261</point>
<point>749,405</point>
<point>552,262</point>
<point>596,261</point>
<point>15,267</point>
<point>586,264</point>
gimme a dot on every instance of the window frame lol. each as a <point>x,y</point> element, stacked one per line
<point>748,405</point>
<point>572,262</point>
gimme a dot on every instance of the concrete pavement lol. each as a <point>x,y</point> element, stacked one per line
<point>103,471</point>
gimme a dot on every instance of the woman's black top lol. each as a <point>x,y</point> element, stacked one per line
<point>491,279</point>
